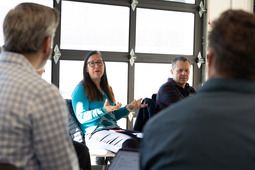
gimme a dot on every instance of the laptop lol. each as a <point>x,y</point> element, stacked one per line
<point>125,159</point>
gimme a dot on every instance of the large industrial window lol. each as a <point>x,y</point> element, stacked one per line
<point>138,42</point>
<point>94,26</point>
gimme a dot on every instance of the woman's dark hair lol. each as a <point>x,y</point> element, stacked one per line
<point>93,93</point>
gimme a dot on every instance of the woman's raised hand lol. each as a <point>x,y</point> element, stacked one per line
<point>136,104</point>
<point>109,108</point>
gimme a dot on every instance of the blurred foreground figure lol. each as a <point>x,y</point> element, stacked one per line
<point>33,115</point>
<point>214,129</point>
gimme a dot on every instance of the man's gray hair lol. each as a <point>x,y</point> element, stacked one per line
<point>27,26</point>
<point>179,58</point>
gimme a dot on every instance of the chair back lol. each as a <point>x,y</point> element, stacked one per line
<point>73,124</point>
<point>144,114</point>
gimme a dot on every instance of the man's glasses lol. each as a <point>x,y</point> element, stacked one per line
<point>93,63</point>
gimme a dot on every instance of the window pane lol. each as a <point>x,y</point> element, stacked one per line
<point>156,75</point>
<point>7,5</point>
<point>87,26</point>
<point>164,32</point>
<point>183,1</point>
<point>71,74</point>
<point>47,75</point>
<point>117,78</point>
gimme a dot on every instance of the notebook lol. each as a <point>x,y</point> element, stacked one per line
<point>125,159</point>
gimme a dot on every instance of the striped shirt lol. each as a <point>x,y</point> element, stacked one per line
<point>33,119</point>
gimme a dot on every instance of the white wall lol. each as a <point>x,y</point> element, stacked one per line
<point>216,7</point>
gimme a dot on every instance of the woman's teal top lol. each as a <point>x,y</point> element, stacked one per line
<point>91,114</point>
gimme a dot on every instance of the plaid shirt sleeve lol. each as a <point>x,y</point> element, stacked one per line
<point>52,144</point>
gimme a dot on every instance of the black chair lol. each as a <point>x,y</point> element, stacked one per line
<point>8,166</point>
<point>102,156</point>
<point>144,114</point>
<point>74,128</point>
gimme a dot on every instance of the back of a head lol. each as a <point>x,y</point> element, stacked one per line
<point>27,26</point>
<point>233,41</point>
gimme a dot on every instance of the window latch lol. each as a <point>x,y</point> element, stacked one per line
<point>134,4</point>
<point>57,54</point>
<point>132,57</point>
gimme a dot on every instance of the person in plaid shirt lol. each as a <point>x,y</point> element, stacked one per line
<point>33,114</point>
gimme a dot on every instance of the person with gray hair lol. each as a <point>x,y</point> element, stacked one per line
<point>33,115</point>
<point>214,129</point>
<point>176,88</point>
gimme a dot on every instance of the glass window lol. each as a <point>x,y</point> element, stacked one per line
<point>94,26</point>
<point>152,76</point>
<point>7,5</point>
<point>117,73</point>
<point>164,32</point>
<point>117,77</point>
<point>71,74</point>
<point>183,1</point>
<point>47,74</point>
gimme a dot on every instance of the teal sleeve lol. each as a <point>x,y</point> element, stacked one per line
<point>81,106</point>
<point>122,112</point>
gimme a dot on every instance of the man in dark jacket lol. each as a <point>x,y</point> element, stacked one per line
<point>175,88</point>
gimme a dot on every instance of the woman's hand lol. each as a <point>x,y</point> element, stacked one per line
<point>136,104</point>
<point>109,108</point>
